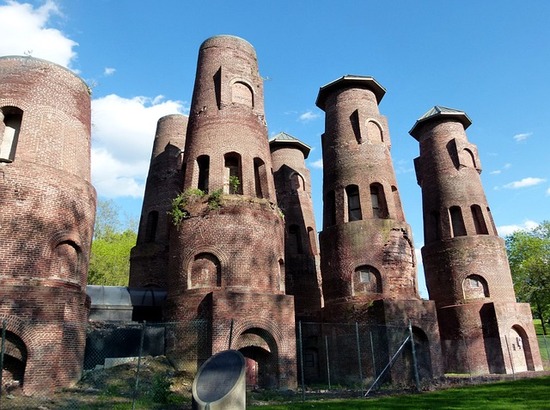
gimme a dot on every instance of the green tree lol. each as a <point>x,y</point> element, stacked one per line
<point>113,240</point>
<point>529,256</point>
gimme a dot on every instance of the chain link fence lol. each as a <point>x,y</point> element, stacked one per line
<point>152,365</point>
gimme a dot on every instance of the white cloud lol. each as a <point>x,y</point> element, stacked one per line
<point>525,182</point>
<point>522,137</point>
<point>24,31</point>
<point>506,230</point>
<point>403,166</point>
<point>499,171</point>
<point>548,192</point>
<point>109,71</point>
<point>308,116</point>
<point>317,164</point>
<point>123,130</point>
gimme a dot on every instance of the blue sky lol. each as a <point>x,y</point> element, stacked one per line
<point>488,58</point>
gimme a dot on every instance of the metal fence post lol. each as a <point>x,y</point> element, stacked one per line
<point>373,357</point>
<point>230,334</point>
<point>2,351</point>
<point>359,356</point>
<point>301,360</point>
<point>138,365</point>
<point>328,364</point>
<point>415,363</point>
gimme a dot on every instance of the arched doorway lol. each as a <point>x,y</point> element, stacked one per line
<point>422,353</point>
<point>15,361</point>
<point>519,350</point>
<point>261,354</point>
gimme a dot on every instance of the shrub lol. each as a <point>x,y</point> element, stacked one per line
<point>180,202</point>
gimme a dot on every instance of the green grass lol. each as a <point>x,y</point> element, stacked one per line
<point>528,394</point>
<point>538,327</point>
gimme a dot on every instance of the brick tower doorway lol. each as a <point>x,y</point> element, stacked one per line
<point>518,350</point>
<point>15,361</point>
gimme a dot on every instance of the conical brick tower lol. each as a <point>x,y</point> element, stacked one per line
<point>293,184</point>
<point>227,252</point>
<point>368,263</point>
<point>149,258</point>
<point>46,222</point>
<point>483,329</point>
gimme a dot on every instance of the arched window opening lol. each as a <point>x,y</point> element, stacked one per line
<point>457,222</point>
<point>205,271</point>
<point>378,200</point>
<point>397,203</point>
<point>151,227</point>
<point>297,182</point>
<point>434,227</point>
<point>374,132</point>
<point>282,278</point>
<point>67,255</point>
<point>475,287</point>
<point>203,163</point>
<point>241,93</point>
<point>295,240</point>
<point>312,240</point>
<point>354,203</point>
<point>260,178</point>
<point>233,176</point>
<point>467,158</point>
<point>479,221</point>
<point>10,125</point>
<point>366,280</point>
<point>329,216</point>
<point>179,161</point>
<point>491,220</point>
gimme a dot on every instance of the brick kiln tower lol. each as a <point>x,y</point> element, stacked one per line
<point>227,254</point>
<point>46,223</point>
<point>293,185</point>
<point>367,254</point>
<point>483,329</point>
<point>149,258</point>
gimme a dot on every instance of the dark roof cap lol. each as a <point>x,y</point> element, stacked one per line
<point>348,81</point>
<point>282,139</point>
<point>439,111</point>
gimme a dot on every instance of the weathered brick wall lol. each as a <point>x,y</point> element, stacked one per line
<point>235,235</point>
<point>149,258</point>
<point>46,224</point>
<point>383,244</point>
